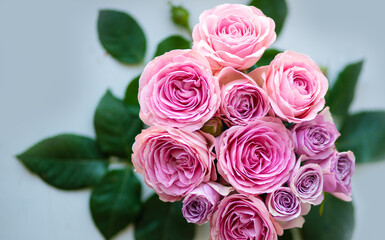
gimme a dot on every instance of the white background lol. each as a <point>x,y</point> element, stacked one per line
<point>53,71</point>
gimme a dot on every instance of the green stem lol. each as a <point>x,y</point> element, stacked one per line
<point>296,234</point>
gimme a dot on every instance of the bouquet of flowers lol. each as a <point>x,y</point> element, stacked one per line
<point>248,150</point>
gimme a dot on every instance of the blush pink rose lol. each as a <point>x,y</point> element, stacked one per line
<point>199,205</point>
<point>233,35</point>
<point>316,138</point>
<point>256,158</point>
<point>240,216</point>
<point>173,161</point>
<point>177,89</point>
<point>296,87</point>
<point>242,100</point>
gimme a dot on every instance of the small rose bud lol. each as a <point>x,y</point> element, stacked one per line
<point>180,16</point>
<point>214,126</point>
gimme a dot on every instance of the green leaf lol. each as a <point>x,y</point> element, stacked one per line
<point>131,95</point>
<point>276,9</point>
<point>364,134</point>
<point>341,95</point>
<point>115,201</point>
<point>268,56</point>
<point>121,36</point>
<point>336,222</point>
<point>162,221</point>
<point>171,43</point>
<point>66,161</point>
<point>116,126</point>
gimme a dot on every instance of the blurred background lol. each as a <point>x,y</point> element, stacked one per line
<point>53,71</point>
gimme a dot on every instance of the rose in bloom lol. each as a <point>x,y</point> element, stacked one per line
<point>338,171</point>
<point>177,89</point>
<point>307,183</point>
<point>243,217</point>
<point>286,208</point>
<point>173,161</point>
<point>199,205</point>
<point>296,87</point>
<point>242,100</point>
<point>316,138</point>
<point>233,35</point>
<point>256,158</point>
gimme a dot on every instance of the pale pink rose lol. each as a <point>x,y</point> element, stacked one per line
<point>199,205</point>
<point>242,100</point>
<point>240,216</point>
<point>173,161</point>
<point>296,87</point>
<point>177,89</point>
<point>257,158</point>
<point>286,208</point>
<point>338,170</point>
<point>316,138</point>
<point>233,35</point>
<point>307,183</point>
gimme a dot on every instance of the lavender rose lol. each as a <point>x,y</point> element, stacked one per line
<point>256,158</point>
<point>177,89</point>
<point>307,183</point>
<point>316,138</point>
<point>243,217</point>
<point>242,100</point>
<point>233,35</point>
<point>199,204</point>
<point>173,161</point>
<point>296,87</point>
<point>286,208</point>
<point>338,171</point>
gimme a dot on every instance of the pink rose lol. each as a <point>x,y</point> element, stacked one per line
<point>177,89</point>
<point>233,35</point>
<point>307,183</point>
<point>338,170</point>
<point>242,100</point>
<point>243,217</point>
<point>173,161</point>
<point>316,138</point>
<point>199,205</point>
<point>296,87</point>
<point>256,158</point>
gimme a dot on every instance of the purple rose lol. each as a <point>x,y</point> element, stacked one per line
<point>307,183</point>
<point>338,171</point>
<point>199,205</point>
<point>242,100</point>
<point>315,138</point>
<point>256,158</point>
<point>286,208</point>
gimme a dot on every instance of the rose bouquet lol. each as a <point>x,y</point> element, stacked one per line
<point>225,129</point>
<point>276,155</point>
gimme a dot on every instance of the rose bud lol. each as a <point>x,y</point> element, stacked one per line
<point>214,127</point>
<point>256,158</point>
<point>296,87</point>
<point>199,205</point>
<point>315,138</point>
<point>286,208</point>
<point>338,171</point>
<point>173,161</point>
<point>177,89</point>
<point>242,100</point>
<point>307,183</point>
<point>240,216</point>
<point>233,35</point>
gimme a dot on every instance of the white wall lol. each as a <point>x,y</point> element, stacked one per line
<point>53,71</point>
